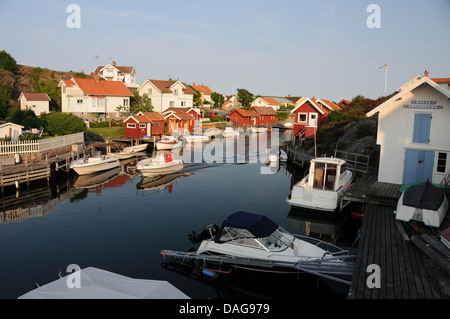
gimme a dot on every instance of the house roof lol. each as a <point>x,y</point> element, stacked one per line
<point>102,87</point>
<point>270,101</point>
<point>202,88</point>
<point>441,80</point>
<point>342,102</point>
<point>139,118</point>
<point>166,86</point>
<point>179,115</point>
<point>36,96</point>
<point>408,87</point>
<point>153,116</point>
<point>181,109</point>
<point>4,124</point>
<point>312,101</point>
<point>328,104</point>
<point>245,113</point>
<point>121,69</point>
<point>264,110</point>
<point>294,98</point>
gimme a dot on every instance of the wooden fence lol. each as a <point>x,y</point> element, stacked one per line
<point>37,146</point>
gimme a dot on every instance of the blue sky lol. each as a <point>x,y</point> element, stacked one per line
<point>302,48</point>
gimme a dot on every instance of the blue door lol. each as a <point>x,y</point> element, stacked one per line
<point>418,166</point>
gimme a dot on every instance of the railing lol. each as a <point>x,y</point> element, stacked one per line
<point>37,146</point>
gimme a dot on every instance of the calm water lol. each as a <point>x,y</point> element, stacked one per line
<point>122,226</point>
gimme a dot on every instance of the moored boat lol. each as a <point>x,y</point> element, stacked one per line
<point>276,154</point>
<point>256,243</point>
<point>90,165</point>
<point>257,129</point>
<point>422,202</point>
<point>159,165</point>
<point>168,143</point>
<point>137,148</point>
<point>230,132</point>
<point>321,189</point>
<point>123,154</point>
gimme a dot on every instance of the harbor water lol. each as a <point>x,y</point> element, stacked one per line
<point>121,222</point>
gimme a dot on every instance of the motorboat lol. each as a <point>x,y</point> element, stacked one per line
<point>159,166</point>
<point>124,154</point>
<point>257,129</point>
<point>256,243</point>
<point>137,148</point>
<point>95,283</point>
<point>168,143</point>
<point>276,154</point>
<point>96,179</point>
<point>90,165</point>
<point>196,138</point>
<point>230,132</point>
<point>323,186</point>
<point>422,202</point>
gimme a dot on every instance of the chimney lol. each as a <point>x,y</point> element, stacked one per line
<point>114,63</point>
<point>426,73</point>
<point>97,78</point>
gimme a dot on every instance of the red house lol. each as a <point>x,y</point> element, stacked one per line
<point>190,110</point>
<point>243,117</point>
<point>179,120</point>
<point>144,124</point>
<point>309,115</point>
<point>267,115</point>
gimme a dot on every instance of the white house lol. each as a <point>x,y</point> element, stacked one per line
<point>266,101</point>
<point>93,99</point>
<point>12,130</point>
<point>38,102</point>
<point>113,72</point>
<point>413,133</point>
<point>165,94</point>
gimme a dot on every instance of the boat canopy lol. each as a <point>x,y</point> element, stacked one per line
<point>255,225</point>
<point>424,195</point>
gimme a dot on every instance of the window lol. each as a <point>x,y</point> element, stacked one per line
<point>149,92</point>
<point>142,125</point>
<point>125,102</point>
<point>302,117</point>
<point>422,126</point>
<point>172,103</point>
<point>80,101</point>
<point>442,162</point>
<point>183,103</point>
<point>131,125</point>
<point>175,92</point>
<point>156,124</point>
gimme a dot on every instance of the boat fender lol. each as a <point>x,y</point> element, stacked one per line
<point>208,273</point>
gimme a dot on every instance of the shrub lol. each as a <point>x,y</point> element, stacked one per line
<point>64,123</point>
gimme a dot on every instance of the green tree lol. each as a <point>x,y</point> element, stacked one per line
<point>218,99</point>
<point>139,103</point>
<point>5,96</point>
<point>7,62</point>
<point>26,118</point>
<point>58,123</point>
<point>197,97</point>
<point>245,98</point>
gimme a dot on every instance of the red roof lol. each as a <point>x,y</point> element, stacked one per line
<point>331,105</point>
<point>264,110</point>
<point>164,86</point>
<point>153,116</point>
<point>202,88</point>
<point>36,96</point>
<point>102,87</point>
<point>441,80</point>
<point>270,100</point>
<point>245,113</point>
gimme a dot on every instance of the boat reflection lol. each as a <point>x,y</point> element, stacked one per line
<point>96,179</point>
<point>160,183</point>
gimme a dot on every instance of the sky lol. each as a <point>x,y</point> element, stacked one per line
<point>329,49</point>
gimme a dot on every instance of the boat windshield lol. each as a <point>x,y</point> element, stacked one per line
<point>324,176</point>
<point>279,240</point>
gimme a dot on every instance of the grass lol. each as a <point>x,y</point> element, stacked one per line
<point>109,131</point>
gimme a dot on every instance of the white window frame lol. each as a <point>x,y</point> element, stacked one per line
<point>131,125</point>
<point>142,125</point>
<point>306,117</point>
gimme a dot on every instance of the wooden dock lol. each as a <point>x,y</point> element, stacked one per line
<point>402,271</point>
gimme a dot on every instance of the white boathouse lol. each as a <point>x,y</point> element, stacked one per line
<point>414,132</point>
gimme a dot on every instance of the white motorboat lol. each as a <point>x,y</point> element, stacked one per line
<point>230,132</point>
<point>422,202</point>
<point>168,143</point>
<point>321,189</point>
<point>254,242</point>
<point>257,129</point>
<point>137,148</point>
<point>124,154</point>
<point>159,166</point>
<point>95,283</point>
<point>276,154</point>
<point>90,165</point>
<point>196,138</point>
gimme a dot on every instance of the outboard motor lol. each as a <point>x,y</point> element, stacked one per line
<point>208,232</point>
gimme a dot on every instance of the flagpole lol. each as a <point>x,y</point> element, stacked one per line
<point>385,81</point>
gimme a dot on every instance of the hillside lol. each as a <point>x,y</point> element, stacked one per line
<point>35,79</point>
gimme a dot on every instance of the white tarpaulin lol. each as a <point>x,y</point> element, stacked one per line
<point>94,283</point>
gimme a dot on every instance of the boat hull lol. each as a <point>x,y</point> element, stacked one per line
<point>94,164</point>
<point>167,145</point>
<point>148,168</point>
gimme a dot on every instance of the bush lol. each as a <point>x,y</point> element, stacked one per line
<point>64,123</point>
